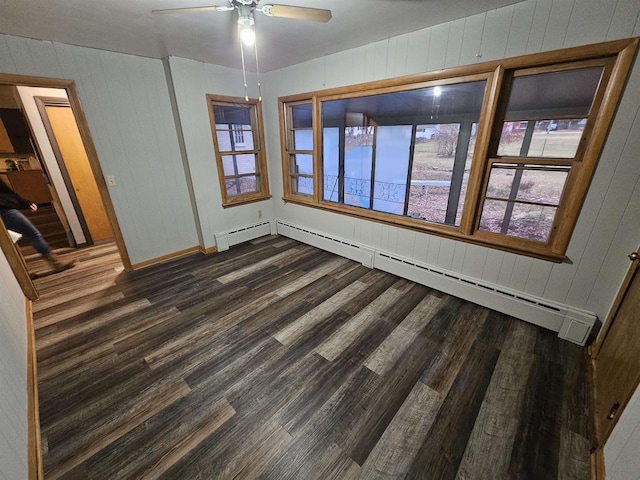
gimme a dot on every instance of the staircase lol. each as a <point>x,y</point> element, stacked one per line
<point>46,220</point>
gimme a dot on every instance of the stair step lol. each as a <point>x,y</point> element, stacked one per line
<point>46,220</point>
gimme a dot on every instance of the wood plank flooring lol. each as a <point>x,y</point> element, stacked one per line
<point>277,360</point>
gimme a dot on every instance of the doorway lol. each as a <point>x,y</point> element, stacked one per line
<point>12,254</point>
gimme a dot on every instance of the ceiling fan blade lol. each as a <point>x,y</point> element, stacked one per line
<point>225,8</point>
<point>298,13</point>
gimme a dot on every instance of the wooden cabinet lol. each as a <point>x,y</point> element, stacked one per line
<point>30,184</point>
<point>16,130</point>
<point>5,142</point>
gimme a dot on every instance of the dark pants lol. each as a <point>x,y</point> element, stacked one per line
<point>16,221</point>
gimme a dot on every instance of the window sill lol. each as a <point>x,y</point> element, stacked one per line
<point>244,201</point>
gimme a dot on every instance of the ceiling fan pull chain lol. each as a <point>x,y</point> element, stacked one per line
<point>244,74</point>
<point>255,46</point>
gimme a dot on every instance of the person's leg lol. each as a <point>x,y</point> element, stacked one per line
<point>16,221</point>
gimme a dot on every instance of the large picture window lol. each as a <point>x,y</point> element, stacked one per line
<point>238,140</point>
<point>404,153</point>
<point>499,154</point>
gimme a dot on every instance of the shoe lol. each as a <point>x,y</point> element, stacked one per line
<point>57,264</point>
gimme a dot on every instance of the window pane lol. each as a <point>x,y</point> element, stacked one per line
<point>330,149</point>
<point>440,173</point>
<point>441,104</point>
<point>239,164</point>
<point>514,184</point>
<point>554,94</point>
<point>527,183</point>
<point>301,116</point>
<point>549,138</point>
<point>302,185</point>
<point>378,127</point>
<point>242,185</point>
<point>301,163</point>
<point>231,114</point>
<point>303,139</point>
<point>235,140</point>
<point>392,164</point>
<point>532,222</point>
<point>357,166</point>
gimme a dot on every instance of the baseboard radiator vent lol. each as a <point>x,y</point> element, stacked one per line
<point>344,248</point>
<point>224,240</point>
<point>572,324</point>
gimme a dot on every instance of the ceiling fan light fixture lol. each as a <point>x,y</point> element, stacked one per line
<point>245,24</point>
<point>247,35</point>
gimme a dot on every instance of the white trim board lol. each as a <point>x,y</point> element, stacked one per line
<point>571,323</point>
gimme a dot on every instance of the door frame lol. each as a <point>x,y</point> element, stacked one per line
<point>596,347</point>
<point>42,103</point>
<point>14,258</point>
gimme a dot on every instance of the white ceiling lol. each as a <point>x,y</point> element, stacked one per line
<point>128,26</point>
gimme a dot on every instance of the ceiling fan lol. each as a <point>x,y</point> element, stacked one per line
<point>246,8</point>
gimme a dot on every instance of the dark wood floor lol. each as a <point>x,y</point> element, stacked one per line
<point>280,361</point>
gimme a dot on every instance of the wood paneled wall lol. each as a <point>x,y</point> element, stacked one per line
<point>13,376</point>
<point>608,226</point>
<point>605,232</point>
<point>192,81</point>
<point>126,101</point>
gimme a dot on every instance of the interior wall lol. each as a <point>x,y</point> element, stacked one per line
<point>27,95</point>
<point>605,231</point>
<point>126,102</point>
<point>192,81</point>
<point>608,227</point>
<point>13,376</point>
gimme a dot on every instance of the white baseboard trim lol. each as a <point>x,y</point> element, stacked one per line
<point>571,323</point>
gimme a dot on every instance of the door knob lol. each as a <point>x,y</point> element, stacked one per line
<point>634,256</point>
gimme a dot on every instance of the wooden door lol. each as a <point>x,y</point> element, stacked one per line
<point>74,156</point>
<point>617,363</point>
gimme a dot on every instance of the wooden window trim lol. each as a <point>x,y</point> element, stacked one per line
<point>287,147</point>
<point>261,161</point>
<point>616,57</point>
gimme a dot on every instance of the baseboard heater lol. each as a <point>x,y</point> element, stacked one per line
<point>243,234</point>
<point>571,323</point>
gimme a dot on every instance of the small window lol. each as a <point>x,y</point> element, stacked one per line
<point>299,149</point>
<point>238,142</point>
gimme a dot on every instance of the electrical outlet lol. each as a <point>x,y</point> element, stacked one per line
<point>111,181</point>
<point>259,213</point>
